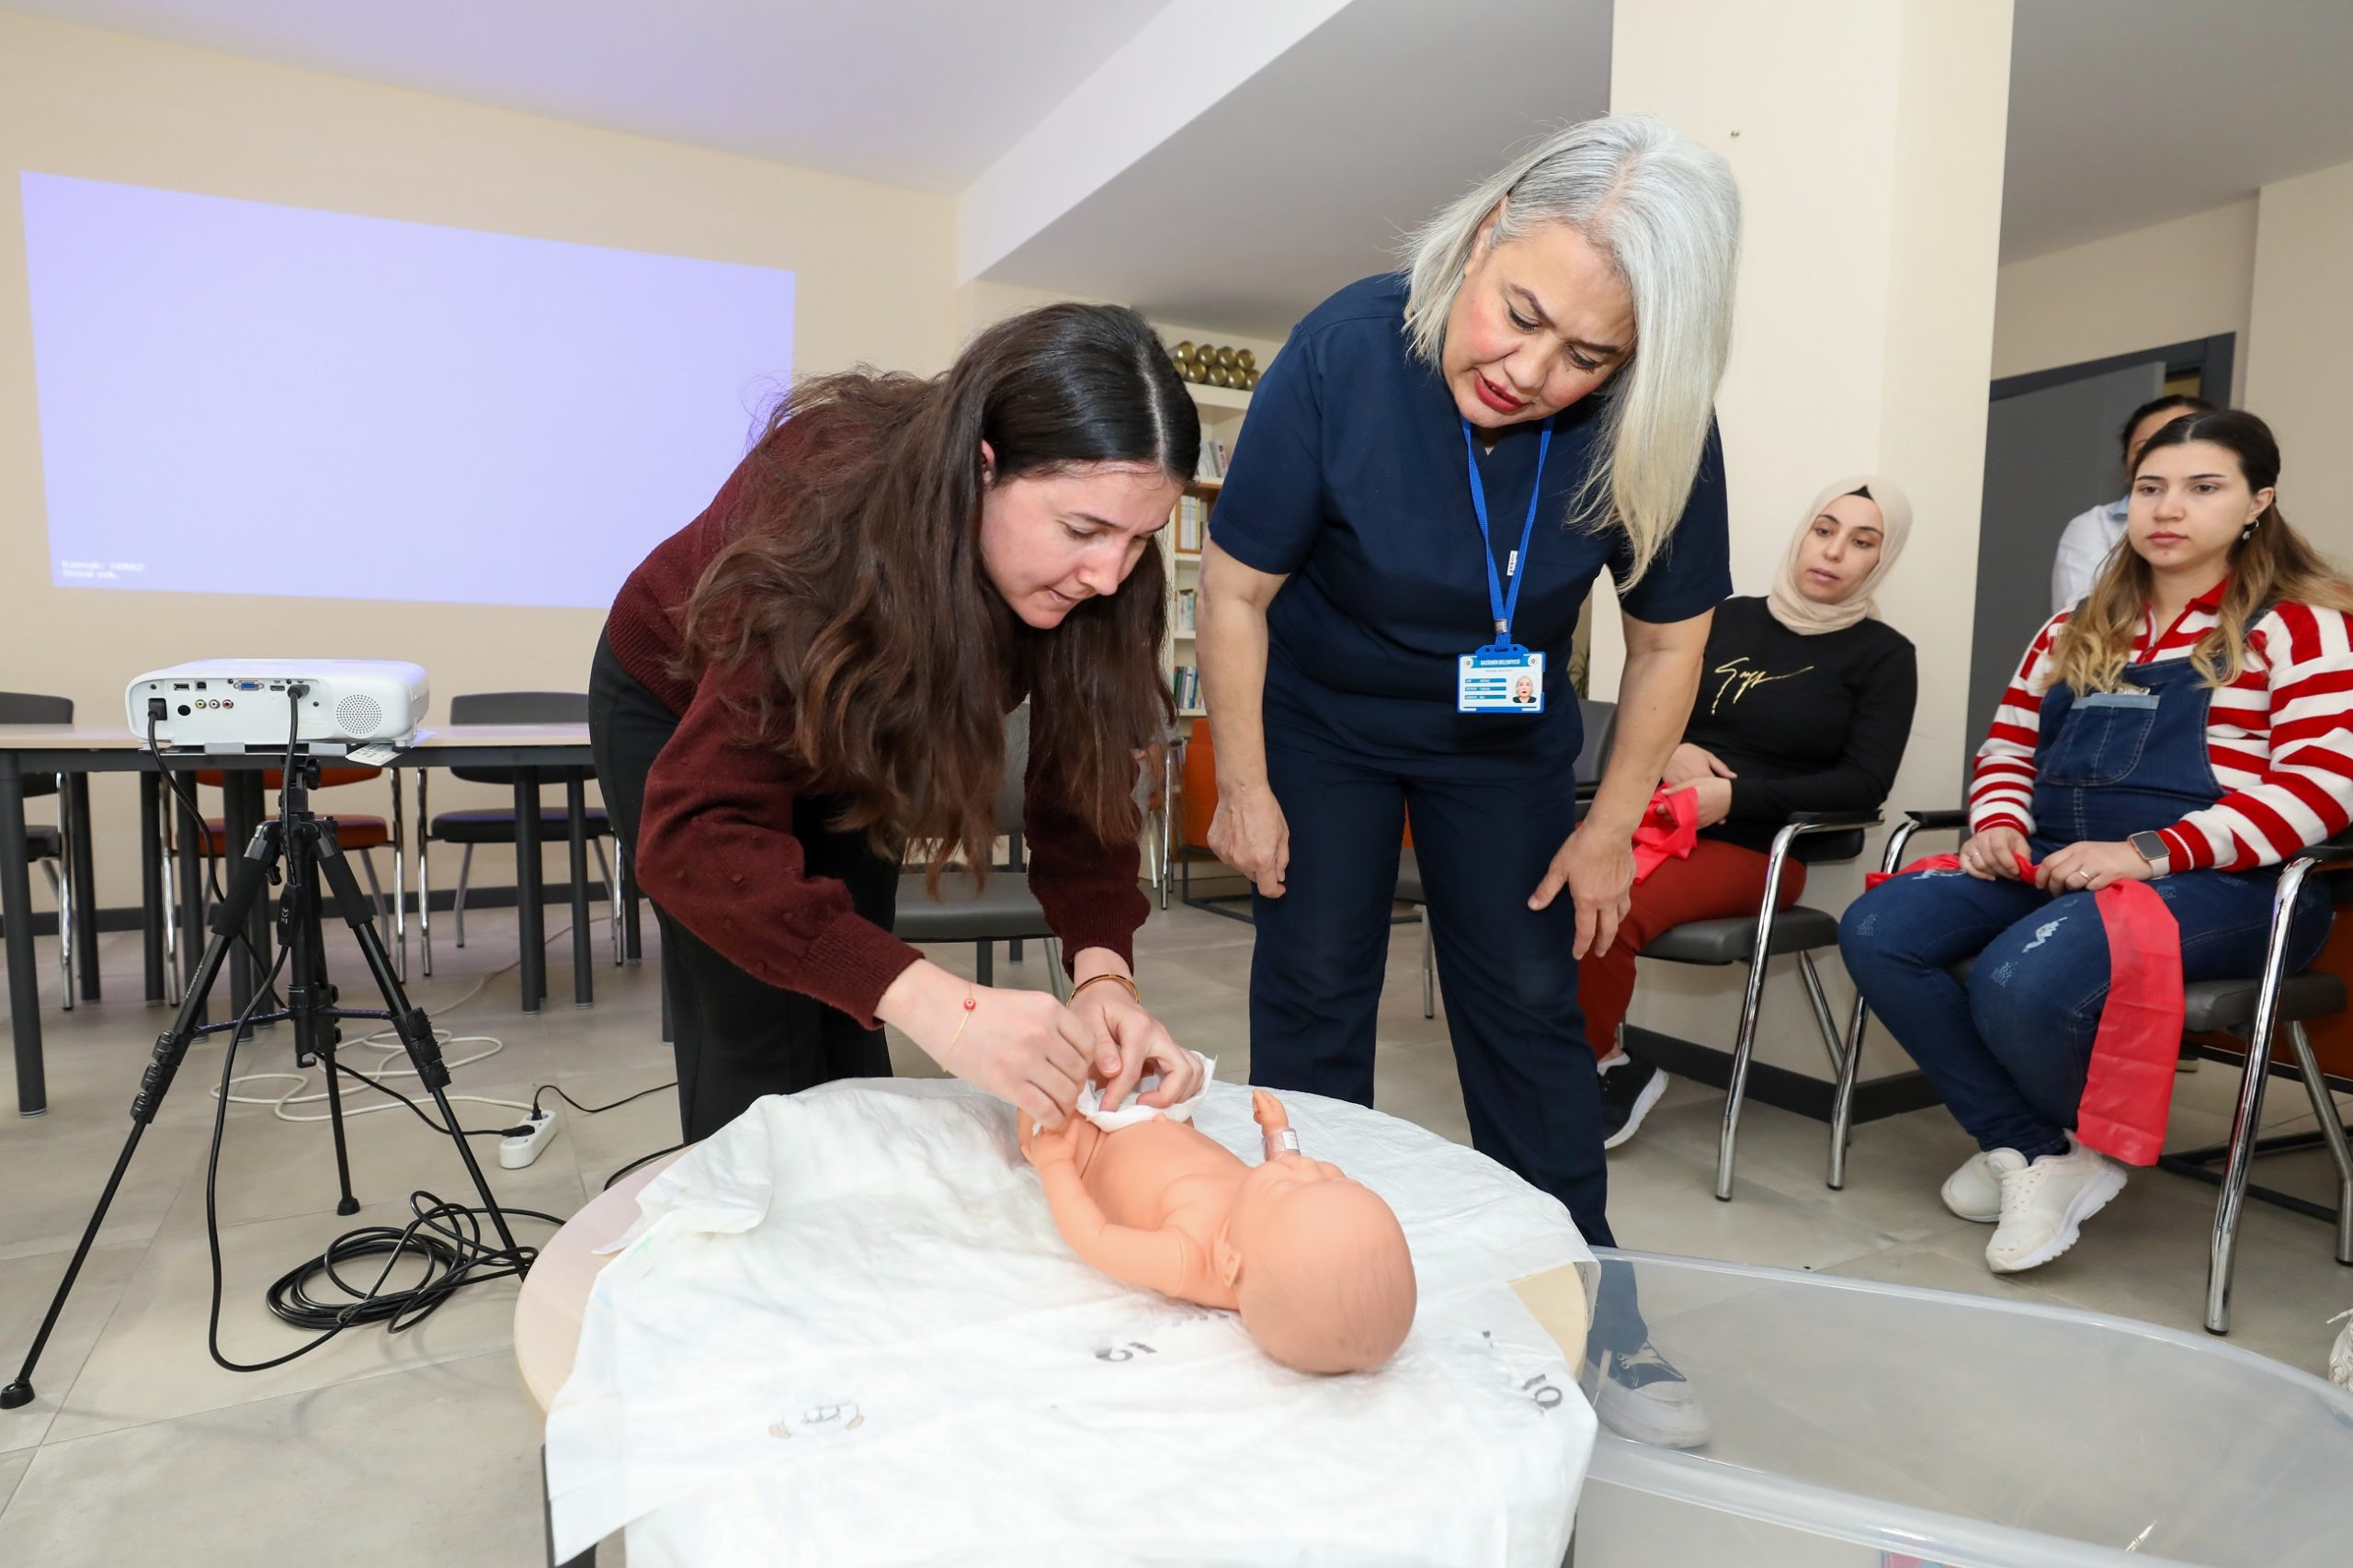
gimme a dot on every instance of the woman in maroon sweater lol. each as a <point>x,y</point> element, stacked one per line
<point>814,674</point>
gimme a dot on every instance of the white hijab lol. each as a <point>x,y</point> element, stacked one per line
<point>1805,616</point>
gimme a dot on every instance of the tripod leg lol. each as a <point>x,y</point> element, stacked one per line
<point>311,999</point>
<point>409,1022</point>
<point>247,878</point>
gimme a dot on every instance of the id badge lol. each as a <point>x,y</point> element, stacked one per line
<point>1502,678</point>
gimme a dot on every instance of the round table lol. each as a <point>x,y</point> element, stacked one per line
<point>555,1293</point>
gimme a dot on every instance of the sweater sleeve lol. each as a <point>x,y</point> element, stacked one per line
<point>2001,790</point>
<point>1859,780</point>
<point>716,850</point>
<point>2303,792</point>
<point>1086,887</point>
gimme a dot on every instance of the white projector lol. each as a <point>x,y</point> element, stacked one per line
<point>237,705</point>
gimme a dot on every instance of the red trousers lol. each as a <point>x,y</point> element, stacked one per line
<point>1719,880</point>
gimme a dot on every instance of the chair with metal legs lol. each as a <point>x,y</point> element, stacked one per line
<point>2253,1008</point>
<point>1754,939</point>
<point>495,824</point>
<point>50,848</point>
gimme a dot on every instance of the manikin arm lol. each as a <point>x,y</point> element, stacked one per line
<point>1157,1260</point>
<point>1275,1123</point>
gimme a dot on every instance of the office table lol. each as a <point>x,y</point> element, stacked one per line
<point>77,751</point>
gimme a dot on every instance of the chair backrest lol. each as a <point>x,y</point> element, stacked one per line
<point>1009,789</point>
<point>514,707</point>
<point>1601,721</point>
<point>28,707</point>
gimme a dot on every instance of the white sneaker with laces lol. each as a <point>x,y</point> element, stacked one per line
<point>2044,1203</point>
<point>1973,1192</point>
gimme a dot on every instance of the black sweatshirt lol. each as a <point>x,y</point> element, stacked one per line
<point>1809,724</point>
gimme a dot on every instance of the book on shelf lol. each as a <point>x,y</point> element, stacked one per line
<point>1187,685</point>
<point>1192,518</point>
<point>1184,612</point>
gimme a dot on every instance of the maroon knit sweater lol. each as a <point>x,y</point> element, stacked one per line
<point>715,845</point>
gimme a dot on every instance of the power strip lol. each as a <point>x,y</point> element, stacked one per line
<point>519,1149</point>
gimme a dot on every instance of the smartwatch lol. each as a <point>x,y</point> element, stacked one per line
<point>2151,847</point>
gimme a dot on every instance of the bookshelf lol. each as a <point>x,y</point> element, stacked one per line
<point>1222,410</point>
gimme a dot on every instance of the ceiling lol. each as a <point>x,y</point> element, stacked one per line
<point>923,94</point>
<point>1305,177</point>
<point>2123,112</point>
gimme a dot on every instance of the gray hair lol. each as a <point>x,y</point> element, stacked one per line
<point>1665,211</point>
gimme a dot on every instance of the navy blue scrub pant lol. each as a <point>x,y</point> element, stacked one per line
<point>1510,980</point>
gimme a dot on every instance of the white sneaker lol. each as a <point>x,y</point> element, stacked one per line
<point>1973,1192</point>
<point>2045,1203</point>
<point>1639,1395</point>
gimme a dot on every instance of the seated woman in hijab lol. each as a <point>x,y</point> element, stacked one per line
<point>1805,702</point>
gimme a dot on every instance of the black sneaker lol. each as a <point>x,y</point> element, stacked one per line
<point>1629,1089</point>
<point>1640,1396</point>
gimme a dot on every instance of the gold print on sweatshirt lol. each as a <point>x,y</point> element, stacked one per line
<point>1739,682</point>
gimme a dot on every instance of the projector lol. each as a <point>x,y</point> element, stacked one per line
<point>240,705</point>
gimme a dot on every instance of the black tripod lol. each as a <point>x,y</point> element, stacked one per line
<point>302,849</point>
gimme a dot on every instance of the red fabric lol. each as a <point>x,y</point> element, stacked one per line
<point>1718,882</point>
<point>2128,1092</point>
<point>2127,1089</point>
<point>716,847</point>
<point>1669,830</point>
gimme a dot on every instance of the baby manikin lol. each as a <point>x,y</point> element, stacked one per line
<point>1316,1263</point>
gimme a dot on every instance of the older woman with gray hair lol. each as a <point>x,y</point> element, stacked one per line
<point>1436,467</point>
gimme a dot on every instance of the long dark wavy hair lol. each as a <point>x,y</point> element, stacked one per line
<point>854,575</point>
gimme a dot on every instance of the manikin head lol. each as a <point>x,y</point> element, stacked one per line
<point>1319,1265</point>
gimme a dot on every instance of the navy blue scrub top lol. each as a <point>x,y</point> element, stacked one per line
<point>1350,481</point>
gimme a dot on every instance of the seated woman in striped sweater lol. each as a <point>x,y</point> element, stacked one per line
<point>2190,723</point>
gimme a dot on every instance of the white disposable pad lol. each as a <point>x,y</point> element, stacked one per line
<point>845,1332</point>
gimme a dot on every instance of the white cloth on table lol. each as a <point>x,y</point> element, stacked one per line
<point>845,1332</point>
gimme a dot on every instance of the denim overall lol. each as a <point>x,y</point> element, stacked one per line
<point>2009,1049</point>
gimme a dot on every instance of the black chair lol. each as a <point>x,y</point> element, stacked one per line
<point>50,848</point>
<point>1600,723</point>
<point>1811,838</point>
<point>495,824</point>
<point>1002,910</point>
<point>2253,1007</point>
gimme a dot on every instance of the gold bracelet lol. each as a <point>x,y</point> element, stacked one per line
<point>1110,974</point>
<point>970,1001</point>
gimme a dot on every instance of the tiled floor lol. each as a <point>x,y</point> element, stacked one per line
<point>422,1446</point>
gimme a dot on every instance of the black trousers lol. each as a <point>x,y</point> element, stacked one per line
<point>1483,843</point>
<point>737,1037</point>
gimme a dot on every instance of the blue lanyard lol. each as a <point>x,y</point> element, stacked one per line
<point>1504,605</point>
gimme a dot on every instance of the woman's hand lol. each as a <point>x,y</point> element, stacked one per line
<point>1021,1046</point>
<point>2090,865</point>
<point>1690,764</point>
<point>1130,1042</point>
<point>1250,833</point>
<point>1994,854</point>
<point>1714,796</point>
<point>1598,871</point>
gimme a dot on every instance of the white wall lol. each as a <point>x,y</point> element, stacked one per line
<point>2300,359</point>
<point>1867,141</point>
<point>2168,283</point>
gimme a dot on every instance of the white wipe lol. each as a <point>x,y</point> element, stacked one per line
<point>1090,1100</point>
<point>845,1332</point>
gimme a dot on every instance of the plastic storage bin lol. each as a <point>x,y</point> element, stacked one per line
<point>1873,1424</point>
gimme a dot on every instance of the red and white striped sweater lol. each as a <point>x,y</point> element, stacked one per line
<point>2280,737</point>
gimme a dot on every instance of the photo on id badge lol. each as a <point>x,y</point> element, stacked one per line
<point>1500,679</point>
